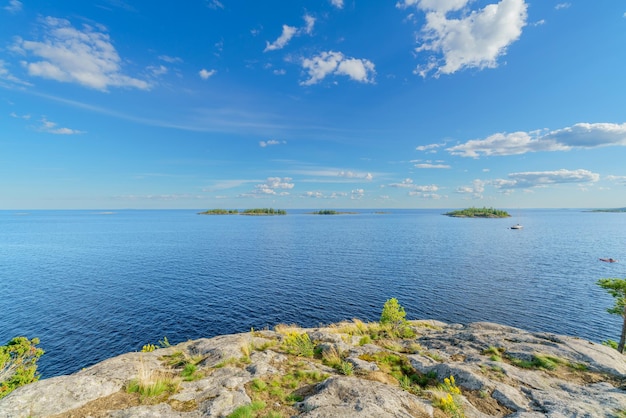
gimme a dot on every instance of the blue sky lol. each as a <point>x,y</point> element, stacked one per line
<point>113,104</point>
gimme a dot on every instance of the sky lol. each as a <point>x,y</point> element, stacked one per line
<point>120,104</point>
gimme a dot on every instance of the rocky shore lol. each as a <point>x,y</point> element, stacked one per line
<point>344,370</point>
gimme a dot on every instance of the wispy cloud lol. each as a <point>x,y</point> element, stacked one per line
<point>476,189</point>
<point>430,165</point>
<point>52,128</point>
<point>355,175</point>
<point>532,179</point>
<point>357,194</point>
<point>321,195</point>
<point>14,6</point>
<point>335,63</point>
<point>561,6</point>
<point>337,3</point>
<point>431,148</point>
<point>206,74</point>
<point>171,60</point>
<point>284,38</point>
<point>5,75</point>
<point>214,4</point>
<point>264,144</point>
<point>86,57</point>
<point>426,191</point>
<point>289,32</point>
<point>475,40</point>
<point>580,135</point>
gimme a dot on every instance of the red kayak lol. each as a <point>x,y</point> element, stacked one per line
<point>608,260</point>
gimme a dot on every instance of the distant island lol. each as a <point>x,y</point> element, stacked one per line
<point>478,213</point>
<point>332,212</point>
<point>616,210</point>
<point>251,212</point>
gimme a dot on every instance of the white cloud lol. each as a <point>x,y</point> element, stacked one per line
<point>335,63</point>
<point>14,6</point>
<point>429,165</point>
<point>272,184</point>
<point>406,183</point>
<point>51,128</point>
<point>353,175</point>
<point>288,33</point>
<point>431,148</point>
<point>475,40</point>
<point>264,144</point>
<point>357,194</point>
<point>171,60</point>
<point>86,57</point>
<point>214,4</point>
<point>476,189</point>
<point>6,75</point>
<point>543,178</point>
<point>580,135</point>
<point>440,6</point>
<point>562,6</point>
<point>617,179</point>
<point>337,3</point>
<point>206,74</point>
<point>157,71</point>
<point>309,23</point>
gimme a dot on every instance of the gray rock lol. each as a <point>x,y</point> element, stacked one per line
<point>465,352</point>
<point>350,397</point>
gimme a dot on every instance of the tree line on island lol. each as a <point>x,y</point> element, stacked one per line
<point>257,211</point>
<point>478,213</point>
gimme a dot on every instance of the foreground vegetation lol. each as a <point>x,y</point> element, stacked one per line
<point>18,364</point>
<point>478,213</point>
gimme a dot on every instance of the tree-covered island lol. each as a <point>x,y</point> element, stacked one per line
<point>252,212</point>
<point>332,212</point>
<point>616,210</point>
<point>220,212</point>
<point>478,213</point>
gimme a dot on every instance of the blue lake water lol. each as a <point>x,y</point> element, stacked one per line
<point>92,284</point>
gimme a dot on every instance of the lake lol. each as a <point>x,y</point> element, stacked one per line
<point>95,284</point>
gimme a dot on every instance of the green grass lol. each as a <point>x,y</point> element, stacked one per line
<point>248,411</point>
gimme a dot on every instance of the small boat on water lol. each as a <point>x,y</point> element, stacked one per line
<point>608,260</point>
<point>517,226</point>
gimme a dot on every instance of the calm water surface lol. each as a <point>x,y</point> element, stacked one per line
<point>92,284</point>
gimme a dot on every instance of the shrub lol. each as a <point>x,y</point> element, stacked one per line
<point>299,344</point>
<point>18,364</point>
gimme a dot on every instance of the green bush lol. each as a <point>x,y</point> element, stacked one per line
<point>18,364</point>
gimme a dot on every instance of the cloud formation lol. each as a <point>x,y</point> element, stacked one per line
<point>531,179</point>
<point>475,40</point>
<point>86,57</point>
<point>206,74</point>
<point>51,128</point>
<point>14,6</point>
<point>272,184</point>
<point>289,32</point>
<point>335,63</point>
<point>430,165</point>
<point>264,144</point>
<point>353,175</point>
<point>580,135</point>
<point>337,3</point>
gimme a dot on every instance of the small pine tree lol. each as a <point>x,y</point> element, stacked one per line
<point>393,315</point>
<point>617,289</point>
